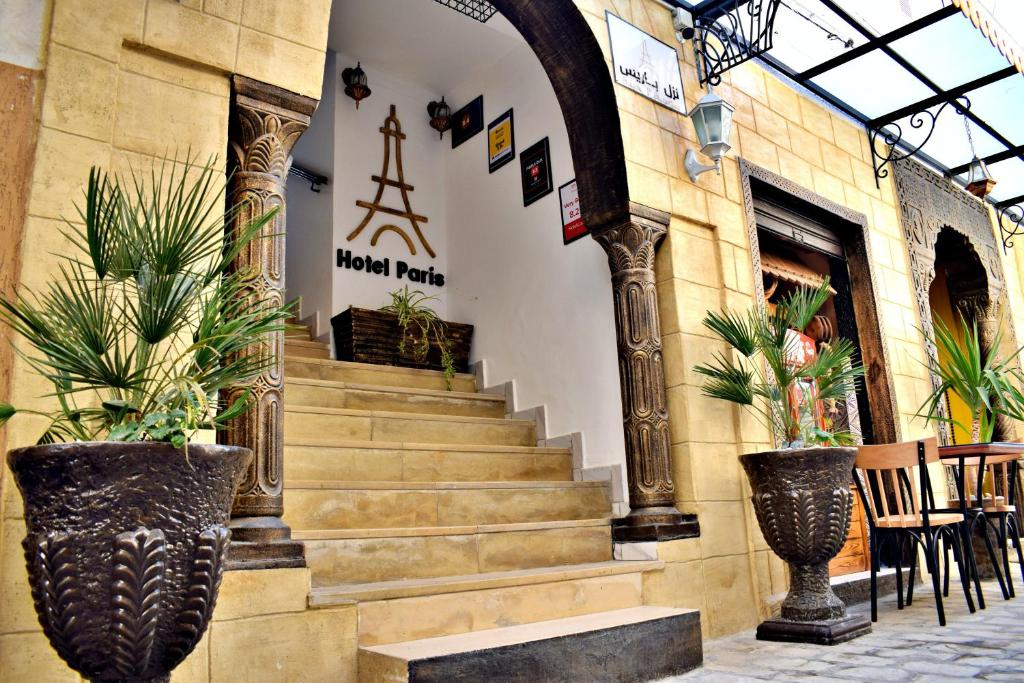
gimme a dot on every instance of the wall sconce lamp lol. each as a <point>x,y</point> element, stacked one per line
<point>355,83</point>
<point>440,116</point>
<point>712,120</point>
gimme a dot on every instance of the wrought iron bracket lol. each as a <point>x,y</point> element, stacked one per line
<point>730,32</point>
<point>885,138</point>
<point>315,179</point>
<point>1010,217</point>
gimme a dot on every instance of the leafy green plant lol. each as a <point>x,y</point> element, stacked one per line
<point>420,324</point>
<point>140,331</point>
<point>760,372</point>
<point>988,384</point>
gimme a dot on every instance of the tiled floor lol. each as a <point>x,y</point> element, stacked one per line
<point>904,646</point>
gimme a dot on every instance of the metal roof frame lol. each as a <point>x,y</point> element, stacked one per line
<point>876,127</point>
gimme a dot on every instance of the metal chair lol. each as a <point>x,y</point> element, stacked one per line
<point>995,510</point>
<point>891,479</point>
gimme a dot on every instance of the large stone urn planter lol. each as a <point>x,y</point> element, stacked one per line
<point>803,503</point>
<point>125,549</point>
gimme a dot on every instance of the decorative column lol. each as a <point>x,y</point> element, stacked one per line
<point>631,248</point>
<point>266,122</point>
<point>983,308</point>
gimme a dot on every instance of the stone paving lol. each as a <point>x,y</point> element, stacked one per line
<point>904,646</point>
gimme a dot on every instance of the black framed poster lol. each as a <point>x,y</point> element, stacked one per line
<point>468,121</point>
<point>535,165</point>
<point>501,141</point>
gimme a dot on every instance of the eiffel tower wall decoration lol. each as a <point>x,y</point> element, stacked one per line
<point>392,131</point>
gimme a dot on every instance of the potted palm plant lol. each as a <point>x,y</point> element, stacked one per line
<point>801,491</point>
<point>987,384</point>
<point>137,333</point>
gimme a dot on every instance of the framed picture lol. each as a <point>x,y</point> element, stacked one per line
<point>535,164</point>
<point>572,217</point>
<point>468,121</point>
<point>501,141</point>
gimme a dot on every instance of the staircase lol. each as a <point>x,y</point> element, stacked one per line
<point>470,552</point>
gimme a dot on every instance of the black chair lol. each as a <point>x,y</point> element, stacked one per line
<point>891,479</point>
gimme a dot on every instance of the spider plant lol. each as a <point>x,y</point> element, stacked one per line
<point>146,323</point>
<point>761,374</point>
<point>419,324</point>
<point>987,383</point>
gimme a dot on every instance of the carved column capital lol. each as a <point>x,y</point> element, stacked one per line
<point>265,124</point>
<point>631,249</point>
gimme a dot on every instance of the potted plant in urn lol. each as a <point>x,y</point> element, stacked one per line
<point>136,333</point>
<point>801,491</point>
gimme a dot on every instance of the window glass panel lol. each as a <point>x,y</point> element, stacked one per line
<point>951,52</point>
<point>873,84</point>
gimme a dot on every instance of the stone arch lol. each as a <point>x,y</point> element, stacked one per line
<point>568,50</point>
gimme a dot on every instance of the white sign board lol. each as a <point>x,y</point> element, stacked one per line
<point>645,65</point>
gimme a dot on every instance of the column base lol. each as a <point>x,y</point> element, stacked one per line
<point>831,632</point>
<point>654,524</point>
<point>263,543</point>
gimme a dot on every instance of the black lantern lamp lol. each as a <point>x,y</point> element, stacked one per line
<point>355,83</point>
<point>979,181</point>
<point>440,116</point>
<point>712,121</point>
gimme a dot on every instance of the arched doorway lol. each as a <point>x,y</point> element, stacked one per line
<point>267,122</point>
<point>959,291</point>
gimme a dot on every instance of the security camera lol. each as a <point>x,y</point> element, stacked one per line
<point>682,22</point>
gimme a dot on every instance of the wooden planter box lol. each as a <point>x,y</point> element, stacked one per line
<point>363,335</point>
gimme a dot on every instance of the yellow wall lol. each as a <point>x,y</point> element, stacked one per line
<point>126,82</point>
<point>131,80</point>
<point>942,308</point>
<point>729,573</point>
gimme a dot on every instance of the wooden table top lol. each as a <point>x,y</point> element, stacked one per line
<point>974,449</point>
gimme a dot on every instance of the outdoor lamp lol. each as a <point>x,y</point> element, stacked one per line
<point>440,116</point>
<point>355,83</point>
<point>979,181</point>
<point>712,120</point>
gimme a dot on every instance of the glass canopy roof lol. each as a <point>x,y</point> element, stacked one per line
<point>893,65</point>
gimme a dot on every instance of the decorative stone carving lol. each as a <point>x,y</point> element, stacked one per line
<point>929,203</point>
<point>852,227</point>
<point>631,250</point>
<point>125,549</point>
<point>266,122</point>
<point>803,503</point>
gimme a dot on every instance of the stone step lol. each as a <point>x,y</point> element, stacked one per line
<point>382,461</point>
<point>630,644</point>
<point>368,555</point>
<point>367,425</point>
<point>379,375</point>
<point>306,349</point>
<point>325,394</point>
<point>395,611</point>
<point>312,505</point>
<point>298,332</point>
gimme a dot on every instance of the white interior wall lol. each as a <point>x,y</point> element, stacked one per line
<point>359,154</point>
<point>542,310</point>
<point>308,267</point>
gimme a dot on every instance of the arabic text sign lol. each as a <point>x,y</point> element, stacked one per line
<point>645,65</point>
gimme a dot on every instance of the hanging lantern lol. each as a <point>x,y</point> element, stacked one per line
<point>356,83</point>
<point>979,181</point>
<point>440,116</point>
<point>712,121</point>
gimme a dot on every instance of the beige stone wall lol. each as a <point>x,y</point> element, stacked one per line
<point>126,83</point>
<point>729,573</point>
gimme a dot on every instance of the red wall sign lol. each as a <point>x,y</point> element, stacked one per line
<point>572,217</point>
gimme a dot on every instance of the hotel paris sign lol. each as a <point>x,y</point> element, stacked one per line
<point>645,65</point>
